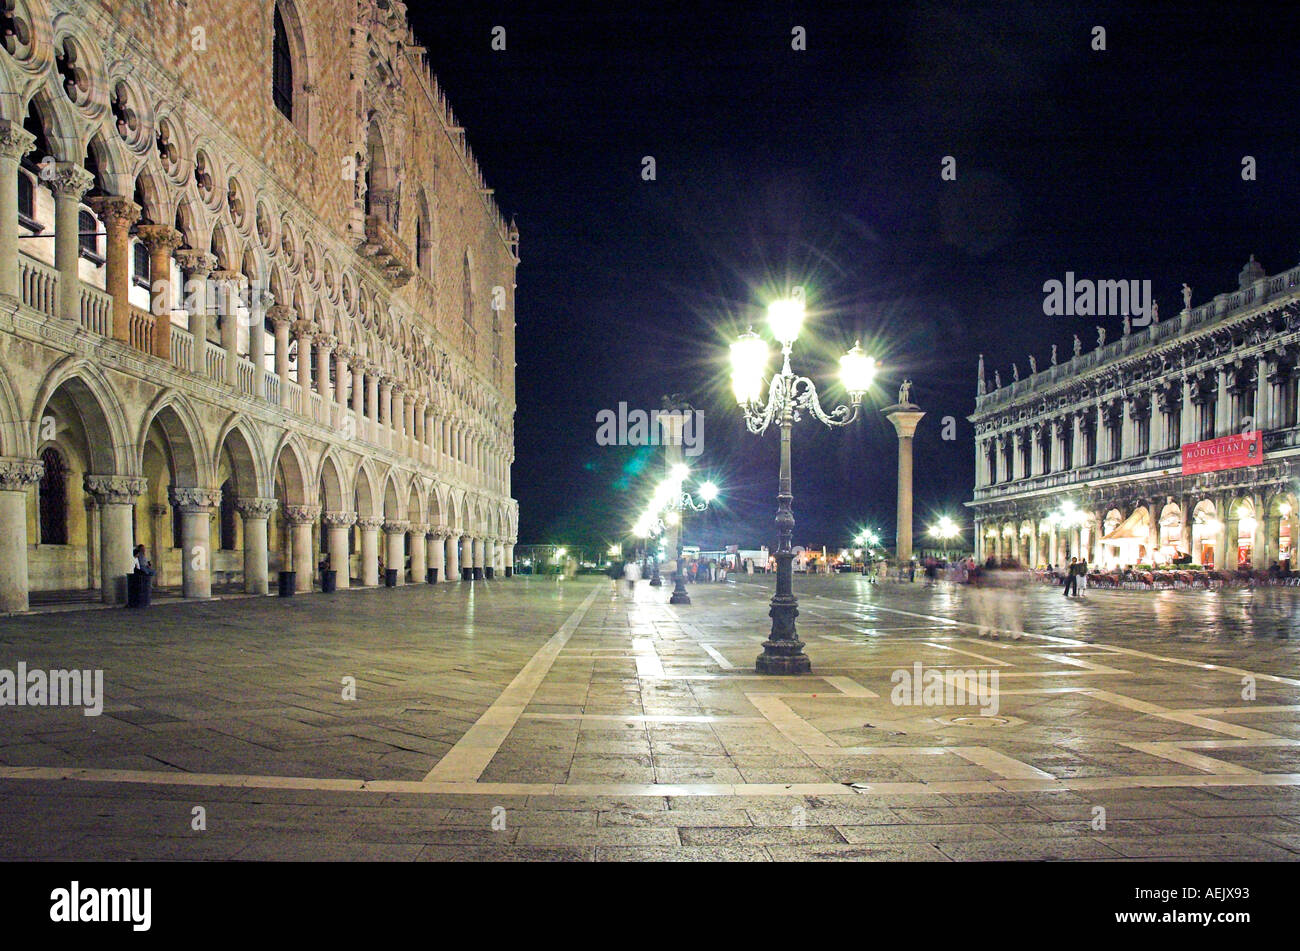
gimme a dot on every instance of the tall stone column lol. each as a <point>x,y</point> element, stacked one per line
<point>195,506</point>
<point>372,402</point>
<point>254,513</point>
<point>478,559</point>
<point>301,518</point>
<point>229,285</point>
<point>281,321</point>
<point>370,549</point>
<point>342,377</point>
<point>118,215</point>
<point>397,418</point>
<point>905,417</point>
<point>419,550</point>
<point>157,512</point>
<point>195,267</point>
<point>453,557</point>
<point>161,240</point>
<point>15,142</point>
<point>489,557</point>
<point>16,477</point>
<point>325,344</point>
<point>395,557</point>
<point>92,541</point>
<point>303,332</point>
<point>410,444</point>
<point>116,496</point>
<point>435,560</point>
<point>339,527</point>
<point>71,182</point>
<point>510,558</point>
<point>359,391</point>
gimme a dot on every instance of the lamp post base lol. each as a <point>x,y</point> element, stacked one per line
<point>679,597</point>
<point>783,651</point>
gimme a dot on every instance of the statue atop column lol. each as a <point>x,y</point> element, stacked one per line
<point>1187,297</point>
<point>1033,365</point>
<point>1101,337</point>
<point>1078,345</point>
<point>1053,354</point>
<point>905,393</point>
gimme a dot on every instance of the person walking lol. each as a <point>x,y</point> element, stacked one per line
<point>1081,584</point>
<point>1071,578</point>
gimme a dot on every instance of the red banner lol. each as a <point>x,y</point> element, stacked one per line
<point>1227,452</point>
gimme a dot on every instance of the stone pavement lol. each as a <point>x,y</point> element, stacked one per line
<point>534,719</point>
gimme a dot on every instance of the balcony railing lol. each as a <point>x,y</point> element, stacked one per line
<point>214,361</point>
<point>182,348</point>
<point>272,388</point>
<point>40,285</point>
<point>140,330</point>
<point>96,311</point>
<point>247,375</point>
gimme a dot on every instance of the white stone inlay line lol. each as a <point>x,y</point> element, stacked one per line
<point>466,761</point>
<point>999,763</point>
<point>648,663</point>
<point>717,657</point>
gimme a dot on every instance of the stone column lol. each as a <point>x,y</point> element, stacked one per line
<point>281,320</point>
<point>904,417</point>
<point>339,526</point>
<point>452,560</point>
<point>71,182</point>
<point>385,434</point>
<point>478,559</point>
<point>116,496</point>
<point>195,506</point>
<point>342,377</point>
<point>372,402</point>
<point>303,331</point>
<point>195,267</point>
<point>419,550</point>
<point>92,541</point>
<point>489,557</point>
<point>15,142</point>
<point>398,419</point>
<point>324,345</point>
<point>301,518</point>
<point>16,477</point>
<point>370,550</point>
<point>118,215</point>
<point>161,240</point>
<point>254,513</point>
<point>157,512</point>
<point>1222,405</point>
<point>435,560</point>
<point>510,558</point>
<point>359,390</point>
<point>409,444</point>
<point>395,534</point>
<point>229,285</point>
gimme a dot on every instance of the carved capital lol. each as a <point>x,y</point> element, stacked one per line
<point>15,141</point>
<point>396,527</point>
<point>325,342</point>
<point>255,508</point>
<point>301,514</point>
<point>370,523</point>
<point>303,328</point>
<point>17,474</point>
<point>116,489</point>
<point>280,315</point>
<point>419,528</point>
<point>339,519</point>
<point>159,238</point>
<point>195,501</point>
<point>196,264</point>
<point>71,179</point>
<point>116,213</point>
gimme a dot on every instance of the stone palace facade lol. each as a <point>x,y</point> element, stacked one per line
<point>256,302</point>
<point>1084,456</point>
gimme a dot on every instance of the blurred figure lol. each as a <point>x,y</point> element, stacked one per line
<point>997,601</point>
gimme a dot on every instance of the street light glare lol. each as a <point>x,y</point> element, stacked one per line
<point>680,471</point>
<point>708,491</point>
<point>857,370</point>
<point>785,317</point>
<point>748,365</point>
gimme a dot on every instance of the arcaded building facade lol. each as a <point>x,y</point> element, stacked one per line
<point>256,302</point>
<point>1084,456</point>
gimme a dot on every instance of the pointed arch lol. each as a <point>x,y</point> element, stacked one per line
<point>183,433</point>
<point>290,470</point>
<point>236,442</point>
<point>95,403</point>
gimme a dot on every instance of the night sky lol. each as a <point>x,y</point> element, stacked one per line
<point>821,168</point>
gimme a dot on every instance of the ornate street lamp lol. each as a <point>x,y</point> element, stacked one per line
<point>787,396</point>
<point>681,502</point>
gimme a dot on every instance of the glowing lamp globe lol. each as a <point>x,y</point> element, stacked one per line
<point>708,491</point>
<point>748,366</point>
<point>785,317</point>
<point>857,370</point>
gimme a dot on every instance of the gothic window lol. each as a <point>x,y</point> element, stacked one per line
<point>53,494</point>
<point>282,68</point>
<point>88,240</point>
<point>27,201</point>
<point>140,255</point>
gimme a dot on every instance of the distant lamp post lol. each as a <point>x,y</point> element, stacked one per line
<point>945,530</point>
<point>787,396</point>
<point>667,505</point>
